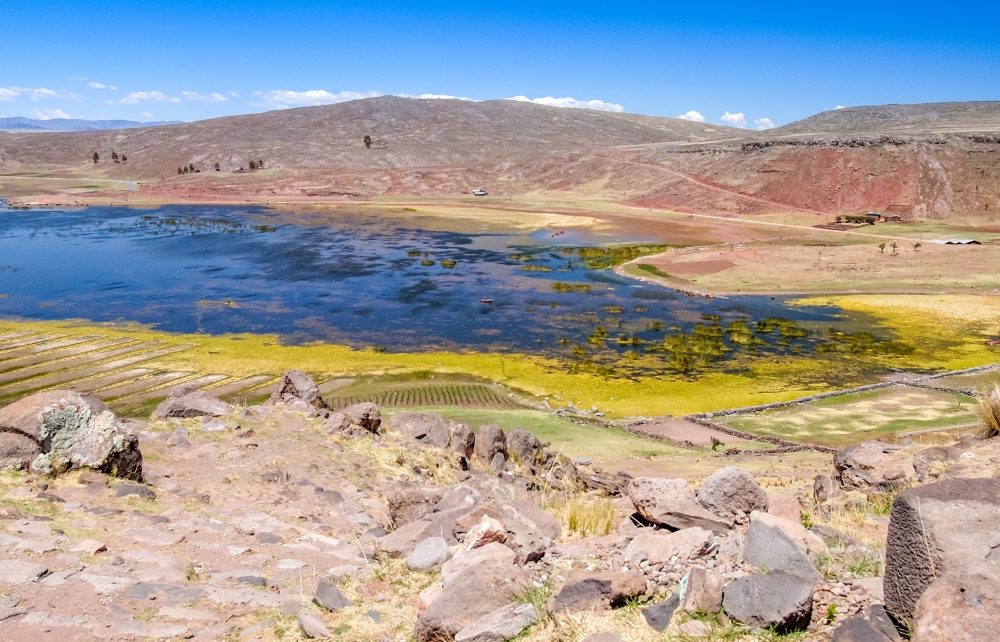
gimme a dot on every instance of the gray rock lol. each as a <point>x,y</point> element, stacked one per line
<point>834,538</point>
<point>546,524</point>
<point>135,489</point>
<point>778,599</point>
<point>503,624</point>
<point>959,607</point>
<point>583,590</point>
<point>658,616</point>
<point>490,440</point>
<point>823,488</point>
<point>872,624</point>
<point>469,595</point>
<point>313,627</point>
<point>522,535</point>
<point>329,596</point>
<point>164,594</point>
<point>524,447</point>
<point>460,496</point>
<point>701,591</point>
<point>71,430</point>
<point>296,384</point>
<point>732,493</point>
<point>672,503</point>
<point>924,461</point>
<point>408,504</point>
<point>429,555</point>
<point>365,415</point>
<point>857,465</point>
<point>179,438</point>
<point>267,538</point>
<point>496,465</point>
<point>17,451</point>
<point>16,572</point>
<point>424,427</point>
<point>188,401</point>
<point>493,552</point>
<point>769,548</point>
<point>658,546</point>
<point>948,527</point>
<point>463,439</point>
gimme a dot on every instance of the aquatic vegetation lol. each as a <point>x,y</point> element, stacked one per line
<point>652,269</point>
<point>447,263</point>
<point>426,262</point>
<point>858,342</point>
<point>536,268</point>
<point>571,287</point>
<point>414,253</point>
<point>597,258</point>
<point>613,309</point>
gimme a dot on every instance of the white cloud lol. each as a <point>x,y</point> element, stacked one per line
<point>840,107</point>
<point>8,93</point>
<point>213,97</point>
<point>764,123</point>
<point>693,116</point>
<point>599,105</point>
<point>47,114</point>
<point>735,120</point>
<point>233,94</point>
<point>283,99</point>
<point>146,114</point>
<point>436,97</point>
<point>136,96</point>
<point>97,85</point>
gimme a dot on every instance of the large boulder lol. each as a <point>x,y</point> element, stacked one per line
<point>490,440</point>
<point>187,400</point>
<point>872,624</point>
<point>959,607</point>
<point>408,504</point>
<point>672,503</point>
<point>463,438</point>
<point>365,414</point>
<point>68,430</point>
<point>296,385</point>
<point>505,623</point>
<point>424,427</point>
<point>778,600</point>
<point>492,552</point>
<point>858,465</point>
<point>546,524</point>
<point>402,541</point>
<point>523,537</point>
<point>951,526</point>
<point>583,590</point>
<point>931,462</point>
<point>775,544</point>
<point>469,595</point>
<point>660,546</point>
<point>732,493</point>
<point>524,447</point>
<point>701,591</point>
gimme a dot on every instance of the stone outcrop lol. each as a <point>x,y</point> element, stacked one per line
<point>775,544</point>
<point>424,427</point>
<point>62,430</point>
<point>366,415</point>
<point>297,391</point>
<point>951,526</point>
<point>490,440</point>
<point>524,447</point>
<point>778,600</point>
<point>859,465</point>
<point>429,555</point>
<point>664,546</point>
<point>582,590</point>
<point>672,503</point>
<point>473,593</point>
<point>463,438</point>
<point>189,401</point>
<point>505,623</point>
<point>701,591</point>
<point>732,493</point>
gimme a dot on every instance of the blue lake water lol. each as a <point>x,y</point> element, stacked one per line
<point>355,278</point>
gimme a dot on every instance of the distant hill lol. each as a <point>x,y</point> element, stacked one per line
<point>924,118</point>
<point>18,124</point>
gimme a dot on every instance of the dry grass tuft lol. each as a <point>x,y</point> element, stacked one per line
<point>989,412</point>
<point>586,516</point>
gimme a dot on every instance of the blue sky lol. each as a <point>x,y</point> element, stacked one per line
<point>779,61</point>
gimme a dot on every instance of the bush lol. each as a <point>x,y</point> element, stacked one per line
<point>587,516</point>
<point>989,412</point>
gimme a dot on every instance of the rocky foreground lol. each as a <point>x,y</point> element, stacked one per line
<point>291,521</point>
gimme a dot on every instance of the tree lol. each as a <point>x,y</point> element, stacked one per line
<point>881,248</point>
<point>185,170</point>
<point>180,171</point>
<point>191,168</point>
<point>96,157</point>
<point>114,155</point>
<point>260,164</point>
<point>217,168</point>
<point>368,141</point>
<point>917,246</point>
<point>894,246</point>
<point>124,158</point>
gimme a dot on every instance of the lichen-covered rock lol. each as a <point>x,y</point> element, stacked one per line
<point>72,430</point>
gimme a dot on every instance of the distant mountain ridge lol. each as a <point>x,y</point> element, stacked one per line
<point>20,124</point>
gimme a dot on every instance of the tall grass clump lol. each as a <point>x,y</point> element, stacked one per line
<point>989,412</point>
<point>588,516</point>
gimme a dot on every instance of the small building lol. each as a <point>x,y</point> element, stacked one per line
<point>479,192</point>
<point>955,241</point>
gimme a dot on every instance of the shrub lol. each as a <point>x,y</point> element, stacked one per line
<point>588,516</point>
<point>989,412</point>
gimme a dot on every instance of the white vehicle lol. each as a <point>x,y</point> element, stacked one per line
<point>479,192</point>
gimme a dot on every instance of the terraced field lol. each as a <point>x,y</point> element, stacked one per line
<point>121,370</point>
<point>455,395</point>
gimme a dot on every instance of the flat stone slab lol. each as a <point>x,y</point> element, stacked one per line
<point>155,537</point>
<point>16,572</point>
<point>182,613</point>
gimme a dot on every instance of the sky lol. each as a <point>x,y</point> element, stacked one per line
<point>752,65</point>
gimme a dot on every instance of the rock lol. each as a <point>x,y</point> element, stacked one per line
<point>15,572</point>
<point>427,596</point>
<point>694,629</point>
<point>524,447</point>
<point>778,599</point>
<point>329,596</point>
<point>547,525</point>
<point>522,535</point>
<point>947,527</point>
<point>464,524</point>
<point>429,555</point>
<point>658,616</point>
<point>857,464</point>
<point>603,637</point>
<point>410,504</point>
<point>872,624</point>
<point>494,552</point>
<point>503,624</point>
<point>313,627</point>
<point>365,415</point>
<point>477,591</point>
<point>732,493</point>
<point>672,503</point>
<point>958,607</point>
<point>463,439</point>
<point>135,489</point>
<point>17,451</point>
<point>424,427</point>
<point>660,546</point>
<point>187,400</point>
<point>583,590</point>
<point>729,547</point>
<point>461,496</point>
<point>823,488</point>
<point>490,440</point>
<point>72,430</point>
<point>179,438</point>
<point>769,546</point>
<point>931,462</point>
<point>871,584</point>
<point>785,507</point>
<point>497,464</point>
<point>701,591</point>
<point>486,531</point>
<point>297,385</point>
<point>88,547</point>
